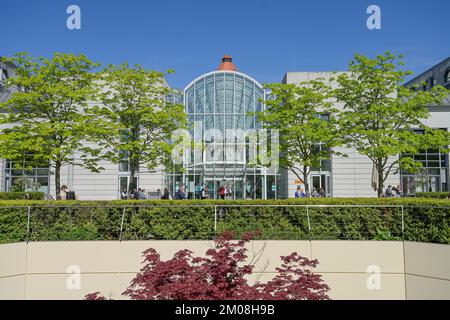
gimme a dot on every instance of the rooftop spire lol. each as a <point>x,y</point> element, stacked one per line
<point>227,64</point>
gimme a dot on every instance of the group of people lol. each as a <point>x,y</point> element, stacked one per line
<point>137,194</point>
<point>201,192</point>
<point>180,194</point>
<point>224,192</point>
<point>393,192</point>
<point>300,193</point>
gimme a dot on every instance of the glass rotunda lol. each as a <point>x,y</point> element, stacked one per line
<point>221,105</point>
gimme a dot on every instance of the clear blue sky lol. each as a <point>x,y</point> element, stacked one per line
<point>266,38</point>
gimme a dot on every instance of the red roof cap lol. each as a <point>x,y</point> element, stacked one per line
<point>227,64</point>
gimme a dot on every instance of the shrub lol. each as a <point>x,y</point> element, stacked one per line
<point>434,195</point>
<point>425,220</point>
<point>21,195</point>
<point>221,275</point>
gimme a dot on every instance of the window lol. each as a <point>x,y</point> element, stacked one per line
<point>3,77</point>
<point>447,76</point>
<point>431,177</point>
<point>325,164</point>
<point>22,175</point>
<point>430,83</point>
<point>125,164</point>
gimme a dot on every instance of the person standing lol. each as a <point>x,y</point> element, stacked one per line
<point>63,192</point>
<point>388,191</point>
<point>300,193</point>
<point>166,195</point>
<point>136,193</point>
<point>142,195</point>
<point>205,192</point>
<point>180,194</point>
<point>198,191</point>
<point>123,194</point>
<point>221,192</point>
<point>228,193</point>
<point>322,193</point>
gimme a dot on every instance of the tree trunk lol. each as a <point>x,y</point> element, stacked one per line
<point>305,180</point>
<point>380,181</point>
<point>58,181</point>
<point>131,184</point>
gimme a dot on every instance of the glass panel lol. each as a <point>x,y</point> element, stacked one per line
<point>435,184</point>
<point>433,164</point>
<point>229,94</point>
<point>209,107</point>
<point>326,165</point>
<point>249,96</point>
<point>271,187</point>
<point>407,186</point>
<point>190,100</point>
<point>259,186</point>
<point>258,96</point>
<point>249,122</point>
<point>239,94</point>
<point>124,166</point>
<point>249,187</point>
<point>237,190</point>
<point>199,95</point>
<point>316,182</point>
<point>220,93</point>
<point>42,172</point>
<point>328,186</point>
<point>433,157</point>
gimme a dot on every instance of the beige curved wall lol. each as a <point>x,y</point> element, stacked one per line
<point>39,270</point>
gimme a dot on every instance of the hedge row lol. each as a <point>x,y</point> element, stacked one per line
<point>426,220</point>
<point>434,195</point>
<point>21,195</point>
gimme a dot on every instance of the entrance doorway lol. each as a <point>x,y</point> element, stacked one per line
<point>322,181</point>
<point>232,188</point>
<point>124,182</point>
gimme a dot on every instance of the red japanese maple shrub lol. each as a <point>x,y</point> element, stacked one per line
<point>222,275</point>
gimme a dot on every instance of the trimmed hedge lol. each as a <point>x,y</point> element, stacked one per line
<point>21,195</point>
<point>434,195</point>
<point>426,220</point>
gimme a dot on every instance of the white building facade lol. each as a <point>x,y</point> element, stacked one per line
<point>221,99</point>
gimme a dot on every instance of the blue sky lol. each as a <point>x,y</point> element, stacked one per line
<point>266,38</point>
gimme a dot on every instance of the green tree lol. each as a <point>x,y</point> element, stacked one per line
<point>306,137</point>
<point>379,114</point>
<point>47,115</point>
<point>140,119</point>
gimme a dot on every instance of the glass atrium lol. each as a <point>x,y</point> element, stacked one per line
<point>223,105</point>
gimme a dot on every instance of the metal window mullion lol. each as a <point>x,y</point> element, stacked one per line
<point>214,127</point>
<point>224,117</point>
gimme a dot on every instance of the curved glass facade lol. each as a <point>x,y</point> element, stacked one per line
<point>219,106</point>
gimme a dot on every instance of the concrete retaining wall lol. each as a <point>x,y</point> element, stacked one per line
<point>41,270</point>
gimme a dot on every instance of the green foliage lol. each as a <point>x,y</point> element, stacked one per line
<point>294,110</point>
<point>386,235</point>
<point>379,114</point>
<point>21,195</point>
<point>138,118</point>
<point>50,113</point>
<point>25,183</point>
<point>434,195</point>
<point>426,220</point>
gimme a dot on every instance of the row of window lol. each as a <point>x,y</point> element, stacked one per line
<point>431,81</point>
<point>3,77</point>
